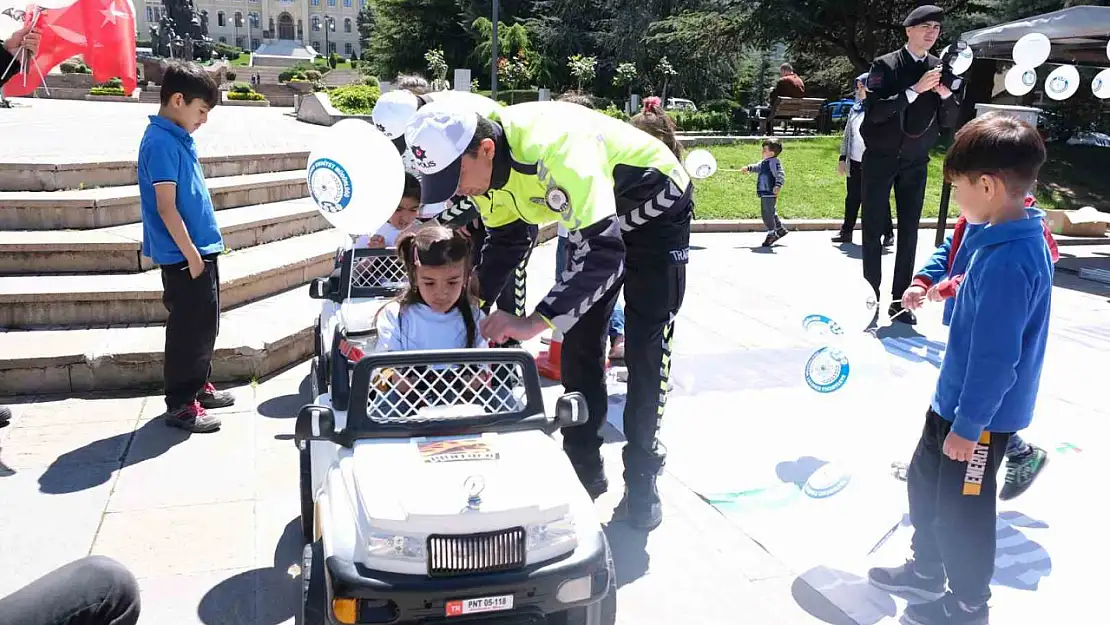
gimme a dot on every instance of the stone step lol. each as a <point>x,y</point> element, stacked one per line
<point>255,340</point>
<point>119,248</point>
<point>24,176</point>
<point>113,206</point>
<point>117,299</point>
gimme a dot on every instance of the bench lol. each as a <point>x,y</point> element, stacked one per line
<point>794,113</point>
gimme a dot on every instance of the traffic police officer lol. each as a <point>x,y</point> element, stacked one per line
<point>391,113</point>
<point>906,106</point>
<point>627,203</point>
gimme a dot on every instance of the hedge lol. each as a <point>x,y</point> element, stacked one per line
<point>106,91</point>
<point>250,95</point>
<point>355,99</point>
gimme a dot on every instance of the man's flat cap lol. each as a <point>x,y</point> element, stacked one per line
<point>922,14</point>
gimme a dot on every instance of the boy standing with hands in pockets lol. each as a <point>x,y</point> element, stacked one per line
<point>988,382</point>
<point>180,235</point>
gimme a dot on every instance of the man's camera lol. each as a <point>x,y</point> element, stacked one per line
<point>948,78</point>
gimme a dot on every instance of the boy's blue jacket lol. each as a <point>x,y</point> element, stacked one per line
<point>945,268</point>
<point>992,366</point>
<point>771,176</point>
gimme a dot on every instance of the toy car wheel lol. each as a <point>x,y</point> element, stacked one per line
<point>314,595</point>
<point>319,376</point>
<point>603,612</point>
<point>308,506</point>
<point>317,338</point>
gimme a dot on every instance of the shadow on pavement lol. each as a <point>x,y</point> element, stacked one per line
<point>100,459</point>
<point>851,250</point>
<point>630,556</point>
<point>903,341</point>
<point>843,586</point>
<point>270,595</point>
<point>287,406</point>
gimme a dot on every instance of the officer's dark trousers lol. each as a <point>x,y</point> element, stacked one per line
<point>512,298</point>
<point>952,508</point>
<point>908,177</point>
<point>91,591</point>
<point>654,286</point>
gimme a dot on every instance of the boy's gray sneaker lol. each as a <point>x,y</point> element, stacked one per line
<point>1021,471</point>
<point>906,579</point>
<point>192,418</point>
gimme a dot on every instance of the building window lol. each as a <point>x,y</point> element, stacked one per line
<point>316,46</point>
<point>331,3</point>
<point>315,3</point>
<point>255,20</point>
<point>315,23</point>
<point>223,39</point>
<point>347,49</point>
<point>347,3</point>
<point>347,25</point>
<point>150,14</point>
<point>255,42</point>
<point>253,1</point>
<point>238,19</point>
<point>240,42</point>
<point>157,14</point>
<point>221,20</point>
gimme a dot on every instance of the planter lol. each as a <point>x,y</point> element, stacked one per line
<point>133,98</point>
<point>229,102</point>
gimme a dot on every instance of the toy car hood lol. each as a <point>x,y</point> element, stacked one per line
<point>358,313</point>
<point>464,484</point>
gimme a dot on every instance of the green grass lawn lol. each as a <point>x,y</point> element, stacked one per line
<point>1072,178</point>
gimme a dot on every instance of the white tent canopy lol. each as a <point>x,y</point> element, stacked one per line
<point>1078,36</point>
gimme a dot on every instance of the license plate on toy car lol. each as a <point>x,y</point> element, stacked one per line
<point>479,605</point>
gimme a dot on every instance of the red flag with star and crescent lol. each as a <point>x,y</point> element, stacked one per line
<point>101,31</point>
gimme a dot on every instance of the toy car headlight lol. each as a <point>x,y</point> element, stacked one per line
<point>552,539</point>
<point>396,546</point>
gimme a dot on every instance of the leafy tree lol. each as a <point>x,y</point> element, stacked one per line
<point>365,23</point>
<point>511,40</point>
<point>583,68</point>
<point>625,77</point>
<point>666,72</point>
<point>438,68</point>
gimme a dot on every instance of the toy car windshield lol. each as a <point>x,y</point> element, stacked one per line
<point>367,273</point>
<point>444,391</point>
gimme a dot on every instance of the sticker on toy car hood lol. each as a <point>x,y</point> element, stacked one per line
<point>466,449</point>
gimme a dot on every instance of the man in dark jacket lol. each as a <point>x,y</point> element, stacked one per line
<point>907,106</point>
<point>23,37</point>
<point>790,85</point>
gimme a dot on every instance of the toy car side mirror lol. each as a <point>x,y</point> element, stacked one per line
<point>314,423</point>
<point>571,410</point>
<point>318,288</point>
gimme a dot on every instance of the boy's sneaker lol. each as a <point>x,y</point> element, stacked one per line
<point>946,611</point>
<point>212,399</point>
<point>905,578</point>
<point>1021,471</point>
<point>781,232</point>
<point>192,418</point>
<point>771,238</point>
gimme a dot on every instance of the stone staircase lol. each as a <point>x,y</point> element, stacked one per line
<point>81,309</point>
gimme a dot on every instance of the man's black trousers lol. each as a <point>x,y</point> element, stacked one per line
<point>953,507</point>
<point>907,176</point>
<point>654,287</point>
<point>191,329</point>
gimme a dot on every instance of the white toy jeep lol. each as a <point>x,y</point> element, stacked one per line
<point>364,280</point>
<point>439,496</point>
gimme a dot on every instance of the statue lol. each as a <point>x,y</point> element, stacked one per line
<point>182,32</point>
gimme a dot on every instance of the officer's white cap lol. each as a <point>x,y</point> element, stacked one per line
<point>393,112</point>
<point>437,138</point>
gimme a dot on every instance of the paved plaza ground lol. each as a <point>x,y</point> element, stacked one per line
<point>208,523</point>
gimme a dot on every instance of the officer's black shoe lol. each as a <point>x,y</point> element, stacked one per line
<point>897,313</point>
<point>592,476</point>
<point>640,506</point>
<point>845,236</point>
<point>888,240</point>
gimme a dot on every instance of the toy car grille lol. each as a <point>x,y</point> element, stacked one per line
<point>422,393</point>
<point>488,552</point>
<point>378,271</point>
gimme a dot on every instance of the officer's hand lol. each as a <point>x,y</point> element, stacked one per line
<point>842,168</point>
<point>943,92</point>
<point>928,81</point>
<point>913,298</point>
<point>500,326</point>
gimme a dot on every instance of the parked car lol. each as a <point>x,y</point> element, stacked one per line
<point>681,105</point>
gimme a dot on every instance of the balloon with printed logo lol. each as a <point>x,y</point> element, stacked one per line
<point>1100,84</point>
<point>963,60</point>
<point>700,164</point>
<point>1062,83</point>
<point>1032,50</point>
<point>1020,80</point>
<point>356,177</point>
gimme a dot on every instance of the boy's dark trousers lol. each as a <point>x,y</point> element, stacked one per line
<point>953,508</point>
<point>191,328</point>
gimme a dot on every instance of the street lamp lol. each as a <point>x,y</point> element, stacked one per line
<point>494,52</point>
<point>329,24</point>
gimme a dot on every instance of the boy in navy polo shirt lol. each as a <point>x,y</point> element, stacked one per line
<point>988,381</point>
<point>181,236</point>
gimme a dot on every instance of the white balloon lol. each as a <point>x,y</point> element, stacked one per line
<point>1100,85</point>
<point>355,176</point>
<point>1062,83</point>
<point>700,164</point>
<point>1032,50</point>
<point>962,62</point>
<point>1020,80</point>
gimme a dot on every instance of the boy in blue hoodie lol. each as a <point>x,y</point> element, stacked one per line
<point>767,186</point>
<point>938,281</point>
<point>988,380</point>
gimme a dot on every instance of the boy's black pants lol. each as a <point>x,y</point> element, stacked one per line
<point>953,508</point>
<point>191,328</point>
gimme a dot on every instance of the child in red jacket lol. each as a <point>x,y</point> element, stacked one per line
<point>938,281</point>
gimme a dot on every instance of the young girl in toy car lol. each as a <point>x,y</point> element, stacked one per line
<point>438,310</point>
